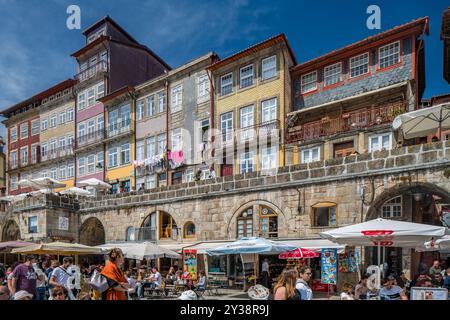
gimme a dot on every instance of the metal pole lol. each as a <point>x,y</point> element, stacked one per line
<point>378,253</point>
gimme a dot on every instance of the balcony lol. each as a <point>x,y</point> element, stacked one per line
<point>119,128</point>
<point>90,72</point>
<point>57,153</point>
<point>346,122</point>
<point>90,139</point>
<point>264,130</point>
<point>32,159</point>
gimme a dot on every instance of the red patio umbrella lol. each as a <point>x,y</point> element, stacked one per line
<point>299,253</point>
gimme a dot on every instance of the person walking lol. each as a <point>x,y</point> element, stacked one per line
<point>265,273</point>
<point>24,277</point>
<point>302,283</point>
<point>60,276</point>
<point>285,288</point>
<point>117,282</point>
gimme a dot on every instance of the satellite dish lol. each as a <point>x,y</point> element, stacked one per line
<point>373,283</point>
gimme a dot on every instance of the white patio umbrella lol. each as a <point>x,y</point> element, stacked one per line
<point>423,122</point>
<point>96,183</point>
<point>75,191</point>
<point>46,182</point>
<point>141,250</point>
<point>385,233</point>
<point>439,244</point>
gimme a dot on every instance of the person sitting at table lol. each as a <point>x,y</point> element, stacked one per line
<point>140,282</point>
<point>201,282</point>
<point>171,276</point>
<point>186,277</point>
<point>155,279</point>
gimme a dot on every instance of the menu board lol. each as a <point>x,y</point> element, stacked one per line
<point>353,261</point>
<point>343,262</point>
<point>329,259</point>
<point>190,261</point>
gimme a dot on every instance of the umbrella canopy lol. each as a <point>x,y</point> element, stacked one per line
<point>251,245</point>
<point>8,245</point>
<point>47,182</point>
<point>423,122</point>
<point>58,248</point>
<point>439,244</point>
<point>77,192</point>
<point>384,232</point>
<point>141,250</point>
<point>98,184</point>
<point>299,253</point>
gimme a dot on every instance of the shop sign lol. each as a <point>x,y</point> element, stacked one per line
<point>329,261</point>
<point>190,262</point>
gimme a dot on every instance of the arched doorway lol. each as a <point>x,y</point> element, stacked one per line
<point>11,231</point>
<point>92,232</point>
<point>162,222</point>
<point>419,202</point>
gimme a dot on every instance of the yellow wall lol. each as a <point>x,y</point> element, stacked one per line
<point>69,184</point>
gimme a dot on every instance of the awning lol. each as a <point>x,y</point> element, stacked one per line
<point>174,245</point>
<point>203,246</point>
<point>420,123</point>
<point>314,244</point>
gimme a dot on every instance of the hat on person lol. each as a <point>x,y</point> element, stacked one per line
<point>188,295</point>
<point>19,295</point>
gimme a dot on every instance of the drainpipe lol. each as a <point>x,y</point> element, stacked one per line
<point>107,81</point>
<point>214,59</point>
<point>167,132</point>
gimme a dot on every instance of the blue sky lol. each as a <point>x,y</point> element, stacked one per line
<point>36,45</point>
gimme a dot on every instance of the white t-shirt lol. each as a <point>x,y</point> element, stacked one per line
<point>391,294</point>
<point>61,276</point>
<point>346,296</point>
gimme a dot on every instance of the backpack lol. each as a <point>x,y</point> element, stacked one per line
<point>98,282</point>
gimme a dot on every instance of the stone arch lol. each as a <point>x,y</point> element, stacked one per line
<point>189,229</point>
<point>165,223</point>
<point>424,187</point>
<point>259,202</point>
<point>92,232</point>
<point>10,231</point>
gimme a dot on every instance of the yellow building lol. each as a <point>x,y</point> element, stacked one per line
<point>120,139</point>
<point>251,97</point>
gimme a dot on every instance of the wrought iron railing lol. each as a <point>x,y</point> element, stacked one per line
<point>90,138</point>
<point>90,72</point>
<point>119,127</point>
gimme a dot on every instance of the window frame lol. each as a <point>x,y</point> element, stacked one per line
<point>271,215</point>
<point>231,120</point>
<point>222,85</point>
<point>341,74</point>
<point>176,95</point>
<point>202,86</point>
<point>13,129</point>
<point>391,206</point>
<point>350,65</point>
<point>310,150</point>
<point>315,216</point>
<point>275,68</point>
<point>312,90</point>
<point>265,156</point>
<point>23,125</point>
<point>53,121</point>
<point>33,127</point>
<point>249,76</point>
<point>22,162</point>
<point>399,60</point>
<point>113,155</point>
<point>380,136</point>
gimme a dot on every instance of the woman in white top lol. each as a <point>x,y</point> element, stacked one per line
<point>347,292</point>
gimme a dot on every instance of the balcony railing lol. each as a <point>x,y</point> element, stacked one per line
<point>262,131</point>
<point>57,153</point>
<point>119,127</point>
<point>90,138</point>
<point>349,121</point>
<point>90,72</point>
<point>32,159</point>
<point>45,201</point>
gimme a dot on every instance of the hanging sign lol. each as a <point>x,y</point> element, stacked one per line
<point>353,261</point>
<point>190,261</point>
<point>329,266</point>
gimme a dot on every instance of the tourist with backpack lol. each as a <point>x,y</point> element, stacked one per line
<point>60,276</point>
<point>302,283</point>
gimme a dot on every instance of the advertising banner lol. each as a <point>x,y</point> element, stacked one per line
<point>190,261</point>
<point>329,260</point>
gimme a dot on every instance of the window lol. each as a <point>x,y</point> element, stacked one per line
<point>34,153</point>
<point>268,222</point>
<point>44,173</point>
<point>161,101</point>
<point>53,121</point>
<point>44,150</point>
<point>189,230</point>
<point>35,127</point>
<point>91,97</point>
<point>33,224</point>
<point>269,158</point>
<point>189,175</point>
<point>82,166</point>
<point>70,115</point>
<point>161,143</point>
<point>91,128</point>
<point>100,160</point>
<point>62,117</point>
<point>54,173</point>
<point>62,143</point>
<point>81,101</point>
<point>177,140</point>
<point>14,182</point>
<point>246,163</point>
<point>151,106</point>
<point>246,121</point>
<point>130,234</point>
<point>389,55</point>
<point>151,152</point>
<point>44,124</point>
<point>81,132</point>
<point>324,214</point>
<point>93,61</point>
<point>177,97</point>
<point>140,109</point>
<point>309,82</point>
<point>150,182</point>
<point>245,224</point>
<point>203,86</point>
<point>69,140</point>
<point>392,208</point>
<point>269,67</point>
<point>13,134</point>
<point>13,159</point>
<point>62,172</point>
<point>70,171</point>
<point>91,163</point>
<point>246,76</point>
<point>24,176</point>
<point>100,125</point>
<point>100,90</point>
<point>269,110</point>
<point>332,74</point>
<point>24,156</point>
<point>83,66</point>
<point>226,84</point>
<point>311,155</point>
<point>113,157</point>
<point>24,130</point>
<point>140,150</point>
<point>226,126</point>
<point>125,155</point>
<point>53,148</point>
<point>359,65</point>
<point>380,142</point>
